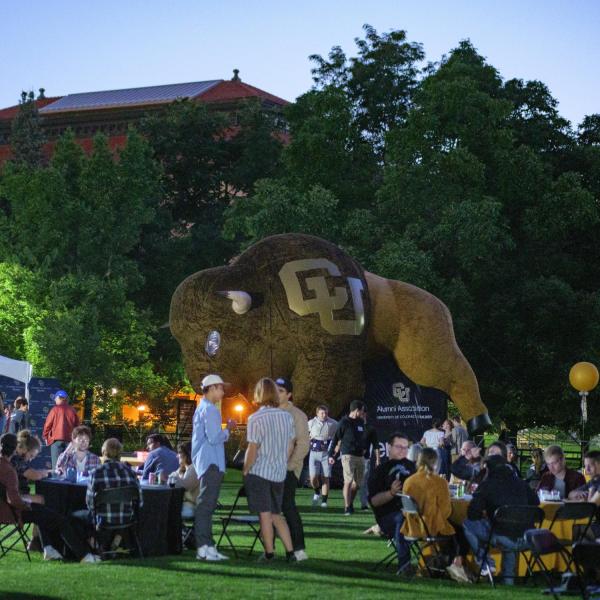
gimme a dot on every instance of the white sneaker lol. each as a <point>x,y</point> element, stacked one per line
<point>91,558</point>
<point>51,553</point>
<point>201,552</point>
<point>323,504</point>
<point>315,499</point>
<point>213,554</point>
<point>458,574</point>
<point>301,555</point>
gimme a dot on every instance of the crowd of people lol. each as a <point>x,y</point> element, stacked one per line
<point>279,439</point>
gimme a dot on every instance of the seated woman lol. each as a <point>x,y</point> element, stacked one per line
<point>52,526</point>
<point>186,477</point>
<point>432,495</point>
<point>77,455</point>
<point>28,447</point>
<point>537,468</point>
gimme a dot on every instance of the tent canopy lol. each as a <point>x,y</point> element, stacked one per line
<point>17,369</point>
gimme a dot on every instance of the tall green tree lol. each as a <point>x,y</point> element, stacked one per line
<point>27,138</point>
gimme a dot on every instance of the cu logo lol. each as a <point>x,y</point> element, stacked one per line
<point>401,392</point>
<point>324,303</point>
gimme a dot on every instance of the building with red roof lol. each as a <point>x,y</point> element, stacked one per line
<point>113,111</point>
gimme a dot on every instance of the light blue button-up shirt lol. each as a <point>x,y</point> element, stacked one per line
<point>208,438</point>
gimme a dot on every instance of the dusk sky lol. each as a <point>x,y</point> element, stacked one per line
<point>67,46</point>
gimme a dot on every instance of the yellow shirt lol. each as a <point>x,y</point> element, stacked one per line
<point>432,495</point>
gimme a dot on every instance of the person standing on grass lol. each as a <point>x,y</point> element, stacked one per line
<point>372,454</point>
<point>20,419</point>
<point>351,434</point>
<point>270,437</point>
<point>208,457</point>
<point>59,425</point>
<point>294,467</point>
<point>321,430</point>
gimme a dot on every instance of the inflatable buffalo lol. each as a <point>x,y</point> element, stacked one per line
<point>298,306</point>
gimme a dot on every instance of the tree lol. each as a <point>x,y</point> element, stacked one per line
<point>27,138</point>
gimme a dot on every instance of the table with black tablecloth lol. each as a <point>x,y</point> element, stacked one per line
<point>160,514</point>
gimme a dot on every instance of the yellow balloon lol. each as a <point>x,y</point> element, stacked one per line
<point>584,376</point>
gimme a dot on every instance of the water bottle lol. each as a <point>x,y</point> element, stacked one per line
<point>71,474</point>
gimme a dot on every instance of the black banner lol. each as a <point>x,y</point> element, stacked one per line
<point>395,403</point>
<point>185,418</point>
<point>41,392</point>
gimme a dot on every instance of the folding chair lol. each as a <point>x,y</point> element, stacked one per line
<point>389,558</point>
<point>519,519</point>
<point>418,544</point>
<point>574,511</point>
<point>234,518</point>
<point>586,557</point>
<point>10,529</point>
<point>542,542</point>
<point>118,496</point>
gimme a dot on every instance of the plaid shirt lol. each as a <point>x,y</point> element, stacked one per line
<point>112,474</point>
<point>68,459</point>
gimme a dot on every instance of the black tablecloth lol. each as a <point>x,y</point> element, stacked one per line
<point>160,514</point>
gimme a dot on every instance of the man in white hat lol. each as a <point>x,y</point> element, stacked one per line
<point>208,456</point>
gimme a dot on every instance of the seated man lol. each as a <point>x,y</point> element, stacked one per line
<point>559,477</point>
<point>500,488</point>
<point>585,492</point>
<point>384,487</point>
<point>77,455</point>
<point>467,465</point>
<point>162,459</point>
<point>111,474</point>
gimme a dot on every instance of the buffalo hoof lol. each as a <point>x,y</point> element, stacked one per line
<point>479,424</point>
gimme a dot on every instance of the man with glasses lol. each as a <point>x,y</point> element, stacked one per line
<point>467,465</point>
<point>384,487</point>
<point>559,477</point>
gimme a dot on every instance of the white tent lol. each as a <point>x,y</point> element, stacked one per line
<point>17,369</point>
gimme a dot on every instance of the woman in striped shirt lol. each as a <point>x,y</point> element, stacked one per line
<point>270,437</point>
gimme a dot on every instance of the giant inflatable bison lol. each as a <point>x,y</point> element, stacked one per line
<point>298,306</point>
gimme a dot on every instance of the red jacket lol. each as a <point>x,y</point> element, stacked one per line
<point>60,422</point>
<point>10,482</point>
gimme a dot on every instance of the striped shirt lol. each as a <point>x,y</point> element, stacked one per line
<point>271,429</point>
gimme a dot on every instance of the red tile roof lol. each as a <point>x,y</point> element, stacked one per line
<point>236,90</point>
<point>8,114</point>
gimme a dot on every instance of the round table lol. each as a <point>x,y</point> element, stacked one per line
<point>562,529</point>
<point>160,513</point>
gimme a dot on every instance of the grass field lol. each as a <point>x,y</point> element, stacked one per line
<point>340,565</point>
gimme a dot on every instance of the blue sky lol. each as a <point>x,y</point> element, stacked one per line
<point>67,46</point>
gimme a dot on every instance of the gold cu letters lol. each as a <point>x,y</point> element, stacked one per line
<point>323,303</point>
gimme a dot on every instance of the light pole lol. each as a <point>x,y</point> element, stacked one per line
<point>141,409</point>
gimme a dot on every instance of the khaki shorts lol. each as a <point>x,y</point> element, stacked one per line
<point>354,468</point>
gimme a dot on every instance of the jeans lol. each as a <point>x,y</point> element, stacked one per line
<point>210,486</point>
<point>390,524</point>
<point>56,449</point>
<point>477,533</point>
<point>290,511</point>
<point>54,527</point>
<point>364,488</point>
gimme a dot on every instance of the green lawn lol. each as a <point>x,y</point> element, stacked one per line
<point>341,563</point>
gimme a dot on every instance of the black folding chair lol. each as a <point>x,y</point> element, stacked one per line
<point>235,517</point>
<point>517,519</point>
<point>542,542</point>
<point>582,514</point>
<point>418,544</point>
<point>385,562</point>
<point>11,531</point>
<point>586,557</point>
<point>119,496</point>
